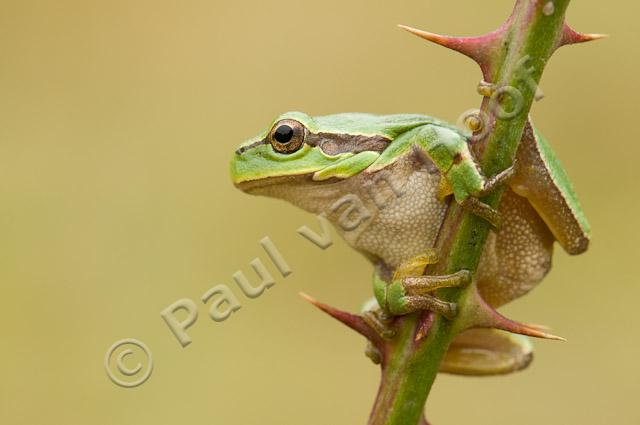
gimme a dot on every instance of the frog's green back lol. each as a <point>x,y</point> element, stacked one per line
<point>390,126</point>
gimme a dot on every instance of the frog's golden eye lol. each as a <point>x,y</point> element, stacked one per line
<point>287,136</point>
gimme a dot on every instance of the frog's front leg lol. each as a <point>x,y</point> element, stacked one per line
<point>462,176</point>
<point>470,190</point>
<point>472,203</point>
<point>409,291</point>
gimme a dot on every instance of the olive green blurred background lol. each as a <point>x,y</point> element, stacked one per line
<point>117,122</point>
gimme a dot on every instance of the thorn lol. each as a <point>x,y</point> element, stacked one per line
<point>486,316</point>
<point>353,321</point>
<point>480,49</point>
<point>539,327</point>
<point>569,36</point>
<point>426,321</point>
<point>520,328</point>
<point>593,37</point>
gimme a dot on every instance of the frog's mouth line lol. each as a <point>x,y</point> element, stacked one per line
<point>251,186</point>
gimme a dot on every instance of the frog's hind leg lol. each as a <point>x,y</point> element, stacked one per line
<point>410,294</point>
<point>417,291</point>
<point>377,313</point>
<point>517,258</point>
<point>486,352</point>
<point>416,295</point>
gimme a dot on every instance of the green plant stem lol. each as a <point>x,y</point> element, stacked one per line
<point>410,367</point>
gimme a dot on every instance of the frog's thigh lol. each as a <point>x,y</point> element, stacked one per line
<point>518,257</point>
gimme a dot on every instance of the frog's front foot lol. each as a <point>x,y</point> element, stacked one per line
<point>498,180</point>
<point>474,205</point>
<point>484,211</point>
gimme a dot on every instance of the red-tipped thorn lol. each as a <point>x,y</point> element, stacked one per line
<point>522,329</point>
<point>426,322</point>
<point>487,317</point>
<point>480,49</point>
<point>569,36</point>
<point>539,327</point>
<point>353,321</point>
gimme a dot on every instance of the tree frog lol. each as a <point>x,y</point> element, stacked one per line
<point>383,180</point>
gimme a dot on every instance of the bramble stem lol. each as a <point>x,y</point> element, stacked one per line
<point>514,60</point>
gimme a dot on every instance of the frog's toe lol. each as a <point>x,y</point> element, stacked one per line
<point>414,303</point>
<point>416,265</point>
<point>417,293</point>
<point>498,180</point>
<point>380,322</point>
<point>482,210</point>
<point>373,353</point>
<point>423,284</point>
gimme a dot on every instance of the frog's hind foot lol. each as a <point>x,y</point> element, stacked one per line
<point>413,296</point>
<point>414,303</point>
<point>417,291</point>
<point>423,284</point>
<point>410,291</point>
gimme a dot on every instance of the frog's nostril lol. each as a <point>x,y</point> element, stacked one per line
<point>239,151</point>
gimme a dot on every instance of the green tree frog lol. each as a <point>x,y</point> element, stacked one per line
<point>399,169</point>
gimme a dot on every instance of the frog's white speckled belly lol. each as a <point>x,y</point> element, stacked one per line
<point>408,223</point>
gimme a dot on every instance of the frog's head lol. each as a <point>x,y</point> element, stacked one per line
<point>298,154</point>
<point>285,149</point>
<point>307,160</point>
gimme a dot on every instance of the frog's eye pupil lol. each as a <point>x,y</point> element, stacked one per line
<point>283,134</point>
<point>287,136</point>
